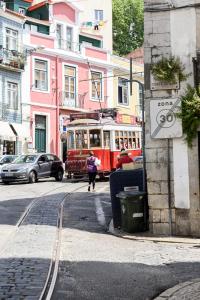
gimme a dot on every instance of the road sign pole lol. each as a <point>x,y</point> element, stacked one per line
<point>169,186</point>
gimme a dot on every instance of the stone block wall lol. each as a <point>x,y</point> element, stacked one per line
<point>158,42</point>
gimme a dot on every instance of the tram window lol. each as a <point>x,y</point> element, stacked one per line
<point>81,139</point>
<point>117,140</point>
<point>106,138</point>
<point>95,137</point>
<point>127,140</point>
<point>71,140</point>
<point>134,143</point>
<point>129,143</point>
<point>126,143</point>
<point>121,143</point>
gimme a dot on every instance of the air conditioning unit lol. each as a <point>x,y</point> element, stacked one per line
<point>2,5</point>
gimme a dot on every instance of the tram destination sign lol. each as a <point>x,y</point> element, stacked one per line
<point>91,115</point>
<point>164,122</point>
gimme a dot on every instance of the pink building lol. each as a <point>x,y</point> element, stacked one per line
<point>66,75</point>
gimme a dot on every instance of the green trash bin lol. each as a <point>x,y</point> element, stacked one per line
<point>133,211</point>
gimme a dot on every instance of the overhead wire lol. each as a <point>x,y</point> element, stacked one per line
<point>116,75</point>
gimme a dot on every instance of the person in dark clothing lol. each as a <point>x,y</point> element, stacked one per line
<point>91,169</point>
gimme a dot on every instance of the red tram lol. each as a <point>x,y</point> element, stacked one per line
<point>105,136</point>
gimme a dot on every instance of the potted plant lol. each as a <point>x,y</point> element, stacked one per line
<point>190,113</point>
<point>169,70</point>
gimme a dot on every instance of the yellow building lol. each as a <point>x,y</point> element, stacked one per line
<point>130,105</point>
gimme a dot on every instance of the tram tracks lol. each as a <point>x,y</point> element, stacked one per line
<point>54,264</point>
<point>49,284</point>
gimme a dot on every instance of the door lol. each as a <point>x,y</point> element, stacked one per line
<point>44,168</point>
<point>40,133</point>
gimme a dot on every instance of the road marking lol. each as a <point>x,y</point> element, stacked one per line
<point>99,212</point>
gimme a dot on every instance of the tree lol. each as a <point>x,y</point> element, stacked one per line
<point>128,28</point>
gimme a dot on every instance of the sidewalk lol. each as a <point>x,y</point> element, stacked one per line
<point>147,236</point>
<point>189,290</point>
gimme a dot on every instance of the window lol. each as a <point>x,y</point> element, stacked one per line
<point>81,139</point>
<point>127,140</point>
<point>140,97</point>
<point>34,28</point>
<point>98,15</point>
<point>22,11</point>
<point>69,38</point>
<point>59,35</point>
<point>122,91</point>
<point>71,140</point>
<point>11,39</point>
<point>96,85</point>
<point>106,138</point>
<point>41,82</point>
<point>95,138</point>
<point>12,95</point>
<point>70,82</point>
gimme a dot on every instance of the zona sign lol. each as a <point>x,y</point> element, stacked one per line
<point>164,122</point>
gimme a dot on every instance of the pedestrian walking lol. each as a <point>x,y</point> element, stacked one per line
<point>91,164</point>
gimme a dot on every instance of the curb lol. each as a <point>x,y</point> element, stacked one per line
<point>172,291</point>
<point>156,239</point>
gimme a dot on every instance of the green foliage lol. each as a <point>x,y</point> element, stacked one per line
<point>169,69</point>
<point>128,31</point>
<point>190,113</point>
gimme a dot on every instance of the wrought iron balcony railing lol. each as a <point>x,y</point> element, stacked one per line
<point>68,45</point>
<point>12,58</point>
<point>72,100</point>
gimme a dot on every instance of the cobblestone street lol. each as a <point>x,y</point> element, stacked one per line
<point>93,263</point>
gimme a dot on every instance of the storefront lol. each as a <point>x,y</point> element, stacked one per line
<point>7,139</point>
<point>64,121</point>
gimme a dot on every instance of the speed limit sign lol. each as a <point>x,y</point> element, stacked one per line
<point>164,122</point>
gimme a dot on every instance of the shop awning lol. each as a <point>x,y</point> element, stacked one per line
<point>6,133</point>
<point>21,131</point>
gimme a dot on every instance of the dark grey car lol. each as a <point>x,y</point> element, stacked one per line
<point>32,167</point>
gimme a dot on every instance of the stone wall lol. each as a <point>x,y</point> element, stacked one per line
<point>165,35</point>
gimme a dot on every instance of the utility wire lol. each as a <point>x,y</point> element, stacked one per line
<point>111,76</point>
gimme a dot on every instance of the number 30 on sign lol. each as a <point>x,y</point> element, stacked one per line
<point>164,123</point>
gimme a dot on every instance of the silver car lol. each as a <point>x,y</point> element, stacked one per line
<point>6,159</point>
<point>32,167</point>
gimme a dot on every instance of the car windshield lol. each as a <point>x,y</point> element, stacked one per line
<point>26,159</point>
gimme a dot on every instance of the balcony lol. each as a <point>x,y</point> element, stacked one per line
<point>67,45</point>
<point>11,59</point>
<point>76,101</point>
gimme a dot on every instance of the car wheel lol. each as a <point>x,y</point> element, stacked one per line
<point>32,177</point>
<point>59,175</point>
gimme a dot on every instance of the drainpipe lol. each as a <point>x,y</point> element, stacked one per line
<point>57,109</point>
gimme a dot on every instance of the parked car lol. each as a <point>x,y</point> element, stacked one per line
<point>32,167</point>
<point>138,159</point>
<point>6,159</point>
